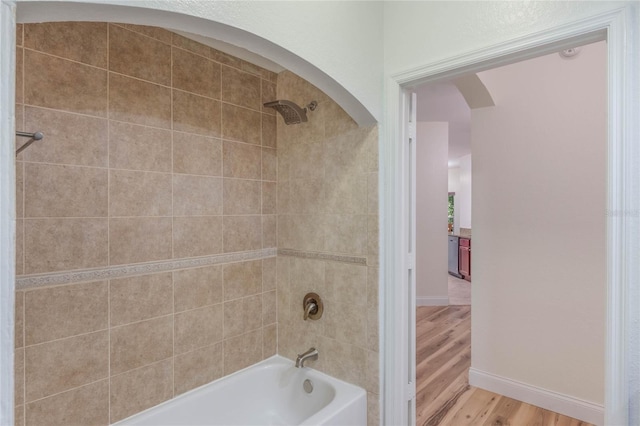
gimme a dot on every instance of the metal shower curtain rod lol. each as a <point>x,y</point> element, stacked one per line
<point>34,137</point>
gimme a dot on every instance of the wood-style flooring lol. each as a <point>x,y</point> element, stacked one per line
<point>444,396</point>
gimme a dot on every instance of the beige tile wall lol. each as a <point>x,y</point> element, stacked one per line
<point>328,202</point>
<point>156,147</point>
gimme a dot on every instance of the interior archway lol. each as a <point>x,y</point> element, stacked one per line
<point>50,11</point>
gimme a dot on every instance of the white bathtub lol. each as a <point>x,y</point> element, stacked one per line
<point>268,393</point>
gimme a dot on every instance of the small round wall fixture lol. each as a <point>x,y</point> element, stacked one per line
<point>569,53</point>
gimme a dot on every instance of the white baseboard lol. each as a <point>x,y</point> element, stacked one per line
<point>549,400</point>
<point>432,301</point>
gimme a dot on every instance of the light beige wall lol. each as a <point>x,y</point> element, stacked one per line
<point>431,213</point>
<point>539,236</point>
<point>328,218</point>
<point>156,148</point>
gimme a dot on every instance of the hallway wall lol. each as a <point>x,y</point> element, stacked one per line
<point>539,234</point>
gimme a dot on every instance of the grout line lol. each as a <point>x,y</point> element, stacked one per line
<point>67,390</point>
<point>51,55</point>
<point>173,283</point>
<point>68,337</point>
<point>109,221</point>
<point>172,159</point>
<point>24,354</point>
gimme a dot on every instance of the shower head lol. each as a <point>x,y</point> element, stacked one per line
<point>291,112</point>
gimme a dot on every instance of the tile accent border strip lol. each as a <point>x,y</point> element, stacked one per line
<point>119,271</point>
<point>359,260</point>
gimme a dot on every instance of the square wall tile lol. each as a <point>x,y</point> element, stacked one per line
<point>57,312</point>
<point>305,159</point>
<point>346,154</point>
<point>153,32</point>
<point>242,279</point>
<point>191,45</point>
<point>307,196</point>
<point>242,196</point>
<point>241,88</point>
<point>268,95</point>
<point>345,324</point>
<point>303,232</point>
<point>139,102</point>
<point>19,75</point>
<point>133,193</point>
<point>139,344</point>
<point>242,351</point>
<point>133,240</point>
<point>242,315</point>
<point>86,405</point>
<point>66,85</point>
<point>337,121</point>
<point>19,415</point>
<point>269,133</point>
<point>269,196</point>
<point>19,246</point>
<point>64,191</point>
<point>69,138</point>
<point>197,195</point>
<point>251,68</point>
<point>18,374</point>
<point>242,233</point>
<point>198,328</point>
<point>136,55</point>
<point>346,234</point>
<point>347,283</point>
<point>140,298</point>
<point>269,231</point>
<point>19,320</point>
<point>204,81</point>
<point>196,154</point>
<point>197,287</point>
<point>241,124</point>
<point>197,236</point>
<point>61,365</point>
<point>65,244</point>
<point>346,194</point>
<point>139,389</point>
<point>269,164</point>
<point>269,273</point>
<point>196,114</point>
<point>84,42</point>
<point>137,147</point>
<point>269,340</point>
<point>225,59</point>
<point>198,368</point>
<point>269,311</point>
<point>241,160</point>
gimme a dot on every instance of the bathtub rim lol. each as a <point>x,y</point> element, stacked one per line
<point>349,392</point>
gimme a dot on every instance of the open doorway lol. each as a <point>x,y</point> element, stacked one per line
<point>539,188</point>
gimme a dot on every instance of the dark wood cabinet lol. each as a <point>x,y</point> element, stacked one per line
<point>464,258</point>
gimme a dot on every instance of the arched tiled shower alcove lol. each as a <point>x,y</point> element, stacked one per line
<point>351,174</point>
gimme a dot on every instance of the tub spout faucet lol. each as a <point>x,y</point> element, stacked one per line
<point>310,354</point>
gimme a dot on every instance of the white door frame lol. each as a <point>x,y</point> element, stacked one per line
<point>622,357</point>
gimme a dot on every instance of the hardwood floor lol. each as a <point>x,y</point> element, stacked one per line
<point>444,396</point>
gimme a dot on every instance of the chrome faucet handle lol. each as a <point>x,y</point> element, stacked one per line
<point>310,309</point>
<point>312,306</point>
